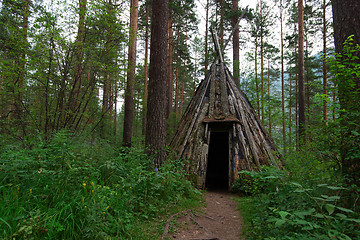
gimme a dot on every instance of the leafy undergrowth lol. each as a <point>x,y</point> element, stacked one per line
<point>276,207</point>
<point>68,189</point>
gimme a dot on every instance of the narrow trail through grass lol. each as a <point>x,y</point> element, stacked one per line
<point>218,219</point>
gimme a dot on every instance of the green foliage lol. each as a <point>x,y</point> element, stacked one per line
<point>346,67</point>
<point>294,211</point>
<point>251,183</point>
<point>68,188</point>
<point>307,201</point>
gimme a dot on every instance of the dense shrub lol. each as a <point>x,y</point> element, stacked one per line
<point>282,209</point>
<point>250,183</point>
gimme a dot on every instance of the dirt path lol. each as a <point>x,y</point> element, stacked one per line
<point>218,220</point>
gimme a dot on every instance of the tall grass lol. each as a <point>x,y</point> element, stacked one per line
<point>68,188</point>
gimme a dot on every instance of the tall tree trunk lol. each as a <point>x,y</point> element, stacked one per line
<point>73,101</point>
<point>296,94</point>
<point>178,62</point>
<point>256,77</point>
<point>115,107</point>
<point>269,99</point>
<point>222,16</point>
<point>107,102</point>
<point>301,73</point>
<point>324,64</point>
<point>290,112</point>
<point>307,79</point>
<point>236,57</point>
<point>206,36</point>
<point>282,77</point>
<point>155,138</point>
<point>129,92</point>
<point>170,62</point>
<point>106,96</point>
<point>17,105</point>
<point>145,97</point>
<point>177,90</point>
<point>347,23</point>
<point>262,62</point>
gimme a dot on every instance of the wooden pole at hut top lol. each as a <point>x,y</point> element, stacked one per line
<point>216,39</point>
<point>217,45</point>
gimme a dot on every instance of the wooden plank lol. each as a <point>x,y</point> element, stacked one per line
<point>245,123</point>
<point>212,90</point>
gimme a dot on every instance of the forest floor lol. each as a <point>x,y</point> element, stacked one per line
<point>219,219</point>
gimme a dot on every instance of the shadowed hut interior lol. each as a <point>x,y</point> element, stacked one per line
<point>217,172</point>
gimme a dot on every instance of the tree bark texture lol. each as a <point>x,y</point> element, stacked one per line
<point>346,23</point>
<point>262,116</point>
<point>236,47</point>
<point>155,138</point>
<point>170,62</point>
<point>177,74</point>
<point>129,92</point>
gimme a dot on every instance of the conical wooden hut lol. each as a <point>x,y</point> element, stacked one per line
<point>220,134</point>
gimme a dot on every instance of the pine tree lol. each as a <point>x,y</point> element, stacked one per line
<point>236,57</point>
<point>301,80</point>
<point>155,138</point>
<point>129,92</point>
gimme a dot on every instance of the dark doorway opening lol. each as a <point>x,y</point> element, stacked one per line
<point>217,173</point>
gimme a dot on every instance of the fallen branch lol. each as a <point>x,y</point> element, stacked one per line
<point>210,218</point>
<point>167,225</point>
<point>192,219</point>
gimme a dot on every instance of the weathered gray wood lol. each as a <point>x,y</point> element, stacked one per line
<point>224,95</point>
<point>249,136</point>
<point>212,91</point>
